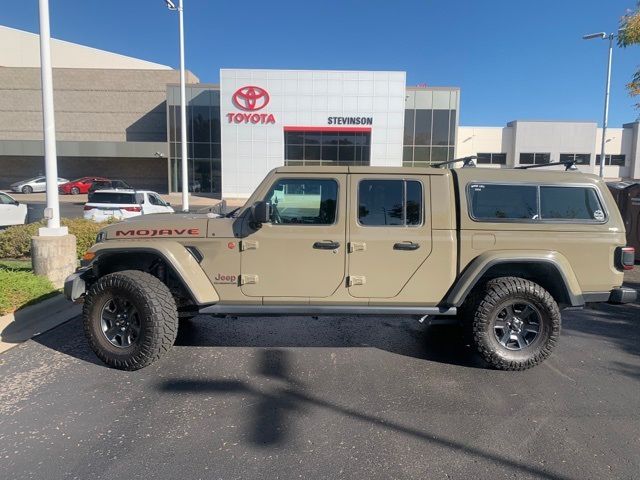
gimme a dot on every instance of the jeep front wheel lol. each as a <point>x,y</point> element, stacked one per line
<point>130,319</point>
<point>515,324</point>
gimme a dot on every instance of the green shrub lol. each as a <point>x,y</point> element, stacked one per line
<point>85,232</point>
<point>15,242</point>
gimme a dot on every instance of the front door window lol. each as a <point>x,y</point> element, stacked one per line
<point>303,201</point>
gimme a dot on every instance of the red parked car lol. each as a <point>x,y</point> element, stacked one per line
<point>80,185</point>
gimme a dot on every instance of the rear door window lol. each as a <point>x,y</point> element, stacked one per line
<point>390,203</point>
<point>112,197</point>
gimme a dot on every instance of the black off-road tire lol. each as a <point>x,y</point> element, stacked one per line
<point>157,315</point>
<point>483,308</point>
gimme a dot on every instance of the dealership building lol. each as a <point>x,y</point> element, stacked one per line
<point>119,116</point>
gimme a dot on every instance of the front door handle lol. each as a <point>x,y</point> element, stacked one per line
<point>406,246</point>
<point>327,245</point>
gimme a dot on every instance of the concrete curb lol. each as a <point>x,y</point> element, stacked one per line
<point>24,324</point>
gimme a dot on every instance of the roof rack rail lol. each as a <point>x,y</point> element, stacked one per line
<point>468,162</point>
<point>569,165</point>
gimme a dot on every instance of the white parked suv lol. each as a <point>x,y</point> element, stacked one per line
<point>104,205</point>
<point>12,212</point>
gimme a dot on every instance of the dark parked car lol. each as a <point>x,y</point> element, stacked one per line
<point>109,184</point>
<point>80,185</point>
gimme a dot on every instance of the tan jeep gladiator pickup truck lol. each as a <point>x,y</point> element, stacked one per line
<point>501,250</point>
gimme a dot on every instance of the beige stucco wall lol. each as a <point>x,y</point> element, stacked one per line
<point>22,49</point>
<point>90,104</point>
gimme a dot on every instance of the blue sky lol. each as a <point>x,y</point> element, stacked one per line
<point>513,59</point>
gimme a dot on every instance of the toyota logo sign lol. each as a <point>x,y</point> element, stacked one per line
<point>250,98</point>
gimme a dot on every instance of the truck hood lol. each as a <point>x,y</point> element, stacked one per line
<point>174,225</point>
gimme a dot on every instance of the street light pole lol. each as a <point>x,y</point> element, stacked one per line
<point>605,119</point>
<point>52,214</point>
<point>183,109</point>
<point>607,91</point>
<point>53,250</point>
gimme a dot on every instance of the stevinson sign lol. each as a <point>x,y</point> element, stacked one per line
<point>350,121</point>
<point>250,99</point>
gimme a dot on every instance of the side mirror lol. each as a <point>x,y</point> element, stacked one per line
<point>16,202</point>
<point>261,213</point>
<point>168,204</point>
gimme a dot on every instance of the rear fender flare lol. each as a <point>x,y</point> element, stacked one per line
<point>482,264</point>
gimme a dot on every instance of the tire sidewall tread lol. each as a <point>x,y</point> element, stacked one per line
<point>481,307</point>
<point>158,318</point>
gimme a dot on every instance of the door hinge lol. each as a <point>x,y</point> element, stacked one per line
<point>356,280</point>
<point>246,279</point>
<point>357,247</point>
<point>248,245</point>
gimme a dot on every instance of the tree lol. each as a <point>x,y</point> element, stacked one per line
<point>630,35</point>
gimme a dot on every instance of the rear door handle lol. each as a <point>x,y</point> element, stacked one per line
<point>327,245</point>
<point>406,246</point>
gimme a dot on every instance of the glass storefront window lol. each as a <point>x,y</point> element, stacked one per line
<point>423,127</point>
<point>203,147</point>
<point>439,154</point>
<point>327,148</point>
<point>440,127</point>
<point>407,156</point>
<point>429,134</point>
<point>422,154</point>
<point>409,117</point>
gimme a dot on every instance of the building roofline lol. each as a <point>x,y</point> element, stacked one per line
<point>92,50</point>
<point>430,87</point>
<point>551,121</point>
<point>197,85</point>
<point>312,70</point>
<point>484,126</point>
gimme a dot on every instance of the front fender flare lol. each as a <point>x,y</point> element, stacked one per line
<point>176,255</point>
<point>483,262</point>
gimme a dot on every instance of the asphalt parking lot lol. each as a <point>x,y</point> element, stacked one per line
<point>325,398</point>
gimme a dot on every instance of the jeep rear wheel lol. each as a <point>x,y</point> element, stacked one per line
<point>515,324</point>
<point>130,319</point>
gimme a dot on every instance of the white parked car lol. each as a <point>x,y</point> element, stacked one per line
<point>36,184</point>
<point>104,205</point>
<point>12,212</point>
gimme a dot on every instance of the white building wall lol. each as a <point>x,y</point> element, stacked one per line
<point>301,98</point>
<point>474,140</point>
<point>555,138</point>
<point>618,141</point>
